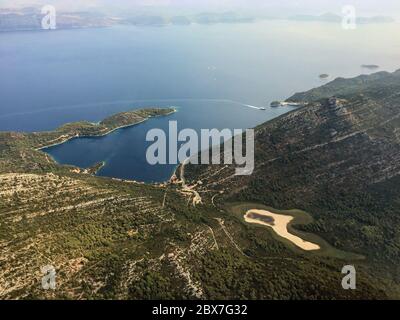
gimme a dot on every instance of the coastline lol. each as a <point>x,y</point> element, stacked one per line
<point>77,136</point>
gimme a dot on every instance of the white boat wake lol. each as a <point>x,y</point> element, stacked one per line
<point>250,106</point>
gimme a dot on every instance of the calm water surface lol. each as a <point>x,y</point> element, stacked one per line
<point>50,78</point>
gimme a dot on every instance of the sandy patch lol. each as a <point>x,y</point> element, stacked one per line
<point>279,225</point>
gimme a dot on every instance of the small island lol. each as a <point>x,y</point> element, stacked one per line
<point>324,76</point>
<point>275,104</point>
<point>370,66</point>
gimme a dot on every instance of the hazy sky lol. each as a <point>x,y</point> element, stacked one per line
<point>368,7</point>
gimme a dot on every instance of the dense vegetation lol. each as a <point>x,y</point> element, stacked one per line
<point>338,160</point>
<point>19,152</point>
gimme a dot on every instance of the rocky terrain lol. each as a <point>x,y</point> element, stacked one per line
<point>336,158</point>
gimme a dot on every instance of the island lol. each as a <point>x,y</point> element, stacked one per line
<point>275,104</point>
<point>180,20</point>
<point>370,66</point>
<point>324,76</point>
<point>337,18</point>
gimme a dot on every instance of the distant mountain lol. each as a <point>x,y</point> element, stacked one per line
<point>30,19</point>
<point>180,20</point>
<point>327,17</point>
<point>15,22</point>
<point>371,85</point>
<point>225,17</point>
<point>331,17</point>
<point>375,19</point>
<point>146,20</point>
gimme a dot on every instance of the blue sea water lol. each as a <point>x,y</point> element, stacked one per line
<point>124,150</point>
<point>209,71</point>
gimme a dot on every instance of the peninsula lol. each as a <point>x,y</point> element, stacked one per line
<point>22,151</point>
<point>335,159</point>
<point>106,126</point>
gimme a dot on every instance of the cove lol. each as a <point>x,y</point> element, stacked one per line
<point>123,151</point>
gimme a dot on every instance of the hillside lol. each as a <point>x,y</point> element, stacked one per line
<point>377,85</point>
<point>337,159</point>
<point>20,152</point>
<point>112,239</point>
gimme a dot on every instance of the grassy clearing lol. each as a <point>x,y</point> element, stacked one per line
<point>239,209</point>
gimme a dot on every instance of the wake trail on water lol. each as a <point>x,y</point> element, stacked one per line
<point>112,103</point>
<point>250,106</point>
